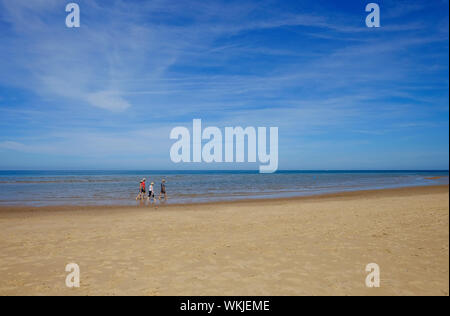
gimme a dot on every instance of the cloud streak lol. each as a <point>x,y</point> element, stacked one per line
<point>314,71</point>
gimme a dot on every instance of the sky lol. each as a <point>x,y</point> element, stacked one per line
<point>106,95</point>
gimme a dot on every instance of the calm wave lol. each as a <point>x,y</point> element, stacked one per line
<point>42,188</point>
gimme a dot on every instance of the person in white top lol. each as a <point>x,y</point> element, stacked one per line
<point>151,192</point>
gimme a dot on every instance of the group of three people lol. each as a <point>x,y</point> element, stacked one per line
<point>151,191</point>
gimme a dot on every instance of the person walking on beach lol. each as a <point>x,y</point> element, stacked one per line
<point>163,190</point>
<point>141,194</point>
<point>151,192</point>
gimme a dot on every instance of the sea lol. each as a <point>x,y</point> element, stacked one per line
<point>120,187</point>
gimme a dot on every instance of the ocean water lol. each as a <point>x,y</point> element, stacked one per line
<point>45,188</point>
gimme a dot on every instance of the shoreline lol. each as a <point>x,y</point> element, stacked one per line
<point>317,245</point>
<point>402,191</point>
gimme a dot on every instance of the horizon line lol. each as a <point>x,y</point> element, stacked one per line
<point>226,170</point>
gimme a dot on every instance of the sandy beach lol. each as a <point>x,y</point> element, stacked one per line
<point>317,245</point>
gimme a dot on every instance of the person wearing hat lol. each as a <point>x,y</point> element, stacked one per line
<point>163,190</point>
<point>151,192</point>
<point>141,194</point>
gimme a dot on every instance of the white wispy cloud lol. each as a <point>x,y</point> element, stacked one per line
<point>108,100</point>
<point>147,66</point>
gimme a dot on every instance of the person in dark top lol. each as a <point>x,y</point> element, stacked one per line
<point>163,190</point>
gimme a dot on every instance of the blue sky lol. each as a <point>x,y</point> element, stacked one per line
<point>107,94</point>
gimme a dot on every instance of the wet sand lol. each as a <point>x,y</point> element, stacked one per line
<point>317,245</point>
